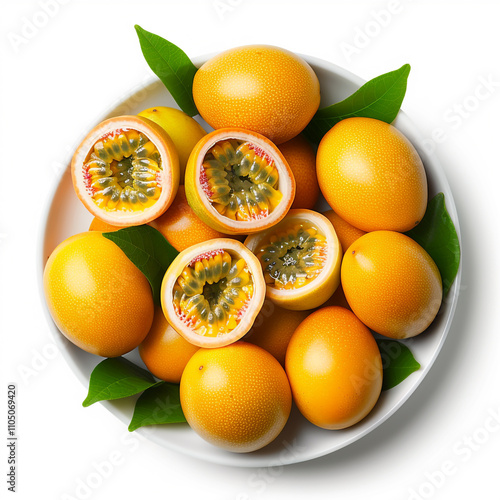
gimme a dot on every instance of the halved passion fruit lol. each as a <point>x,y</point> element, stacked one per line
<point>300,258</point>
<point>126,171</point>
<point>238,182</point>
<point>212,292</point>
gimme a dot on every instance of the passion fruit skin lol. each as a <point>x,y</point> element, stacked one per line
<point>184,131</point>
<point>392,284</point>
<point>197,199</point>
<point>372,176</point>
<point>262,88</point>
<point>236,397</point>
<point>334,368</point>
<point>96,296</point>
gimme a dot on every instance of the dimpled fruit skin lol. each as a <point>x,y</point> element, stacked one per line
<point>98,299</point>
<point>257,87</point>
<point>391,283</point>
<point>371,175</point>
<point>273,328</point>
<point>181,226</point>
<point>334,368</point>
<point>184,131</point>
<point>236,397</point>
<point>164,351</point>
<point>301,159</point>
<point>346,233</point>
<point>99,225</point>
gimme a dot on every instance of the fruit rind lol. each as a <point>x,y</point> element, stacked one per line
<point>164,352</point>
<point>170,162</point>
<point>415,300</point>
<point>184,131</point>
<point>371,175</point>
<point>238,88</point>
<point>324,285</point>
<point>202,206</point>
<point>335,371</point>
<point>223,400</point>
<point>252,308</point>
<point>92,318</point>
<point>301,159</point>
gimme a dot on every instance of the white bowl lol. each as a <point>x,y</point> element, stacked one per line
<point>64,216</point>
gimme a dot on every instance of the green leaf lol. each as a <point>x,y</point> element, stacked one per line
<point>397,361</point>
<point>159,404</point>
<point>116,378</point>
<point>172,66</point>
<point>148,249</point>
<point>378,98</point>
<point>436,233</point>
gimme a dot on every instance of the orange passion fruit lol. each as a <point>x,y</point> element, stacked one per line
<point>347,233</point>
<point>212,292</point>
<point>126,171</point>
<point>238,182</point>
<point>391,283</point>
<point>236,397</point>
<point>262,88</point>
<point>334,367</point>
<point>104,227</point>
<point>164,351</point>
<point>301,159</point>
<point>181,226</point>
<point>371,175</point>
<point>300,257</point>
<point>273,329</point>
<point>98,299</point>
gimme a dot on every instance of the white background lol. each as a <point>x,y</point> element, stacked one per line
<point>84,58</point>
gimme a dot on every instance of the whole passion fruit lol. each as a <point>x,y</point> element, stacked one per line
<point>96,296</point>
<point>262,88</point>
<point>372,176</point>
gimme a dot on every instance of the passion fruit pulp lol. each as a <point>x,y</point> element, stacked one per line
<point>300,258</point>
<point>238,182</point>
<point>212,292</point>
<point>126,171</point>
